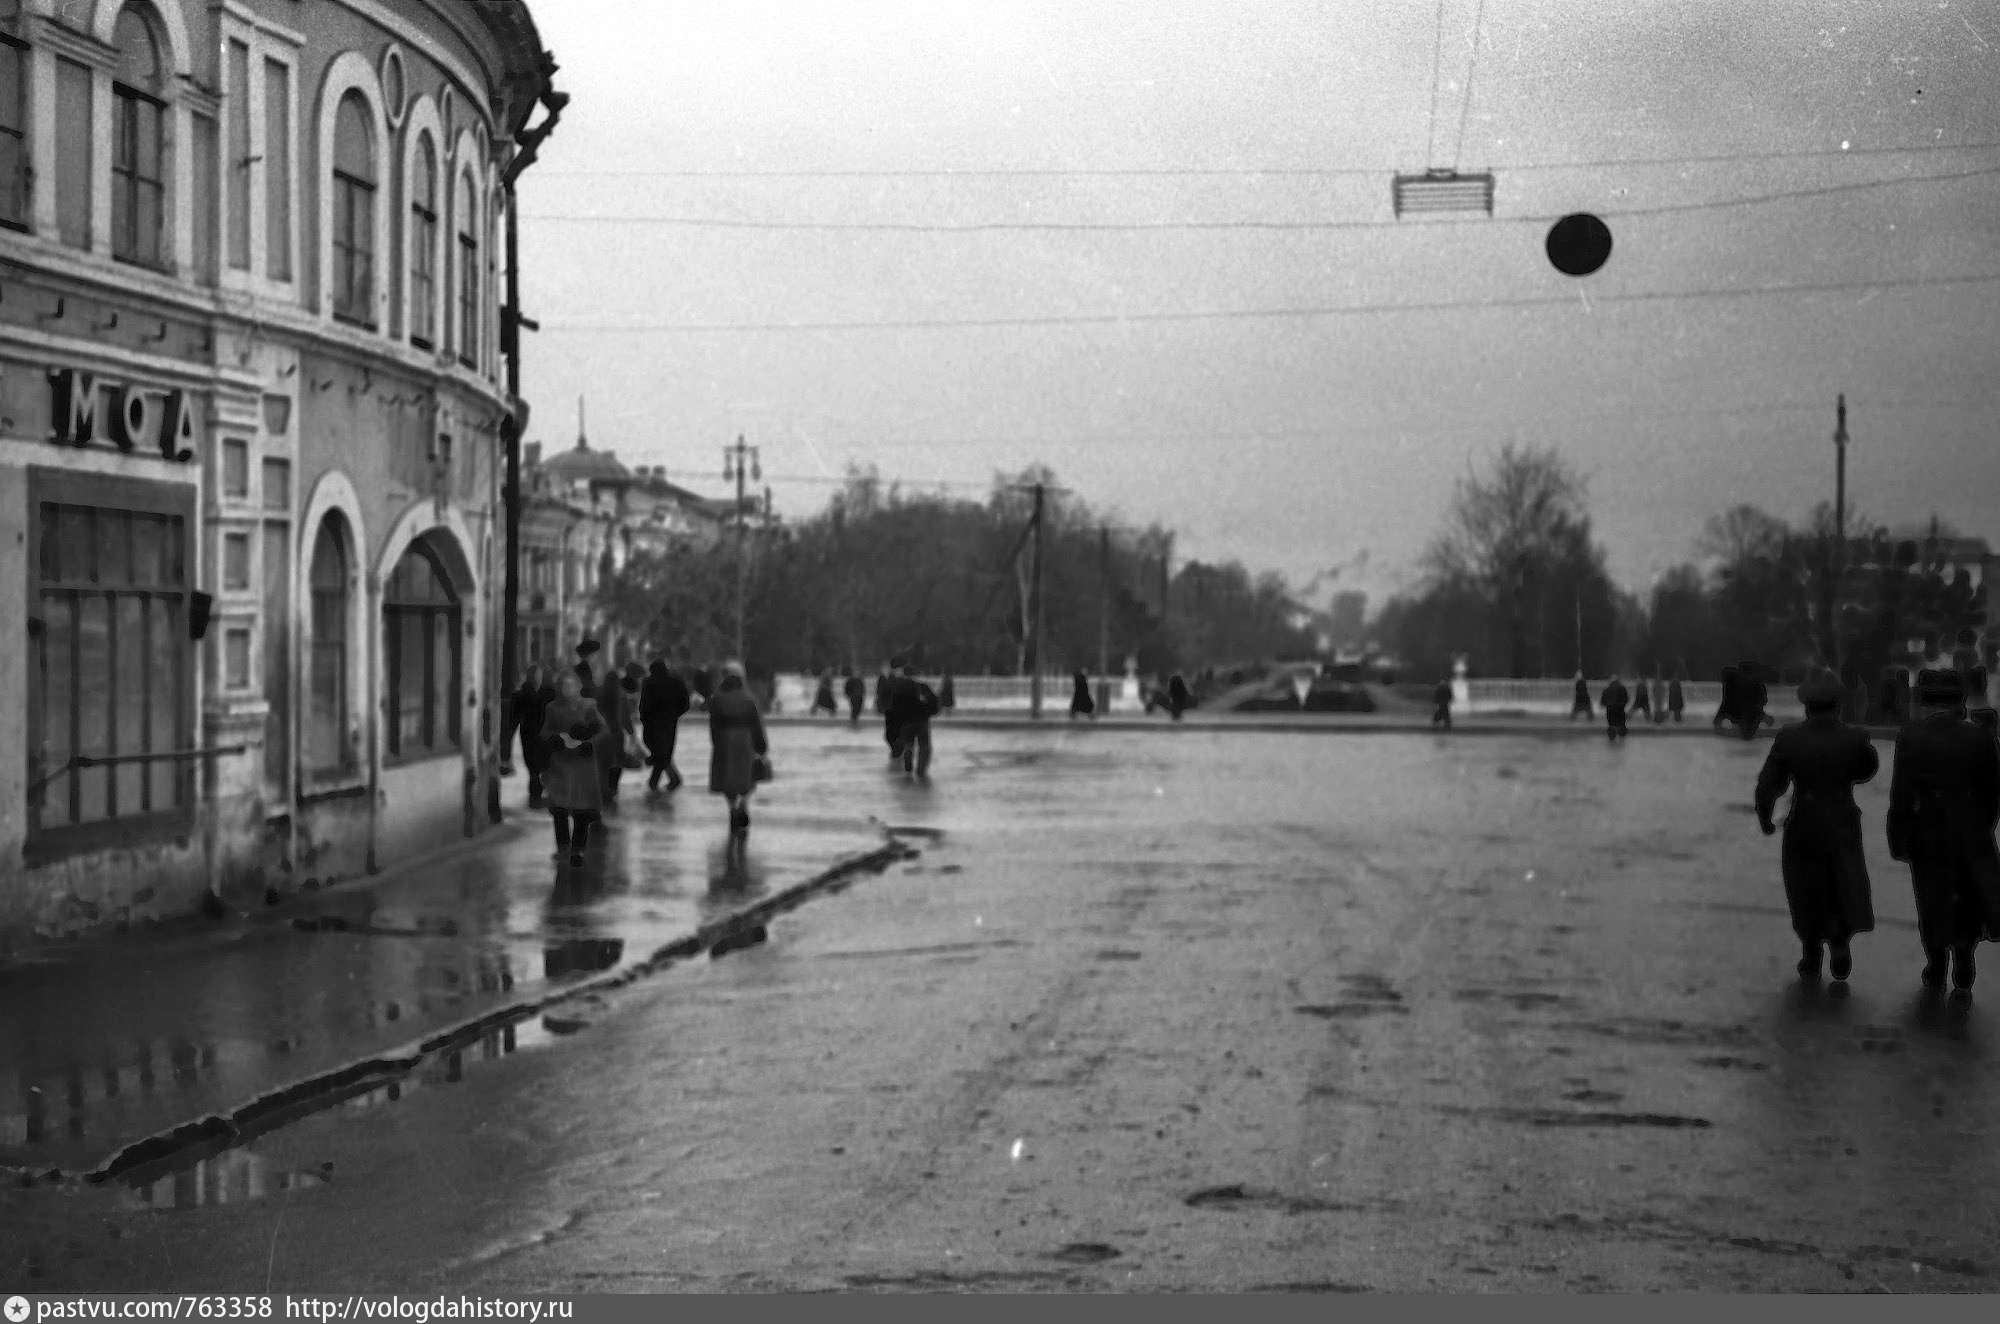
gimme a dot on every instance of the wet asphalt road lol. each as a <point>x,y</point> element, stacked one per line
<point>1220,1012</point>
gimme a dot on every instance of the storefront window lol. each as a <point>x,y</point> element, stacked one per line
<point>422,624</point>
<point>112,680</point>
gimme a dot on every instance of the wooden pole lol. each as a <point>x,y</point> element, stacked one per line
<point>1104,620</point>
<point>1035,594</point>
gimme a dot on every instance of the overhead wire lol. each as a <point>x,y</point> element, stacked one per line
<point>1237,172</point>
<point>1313,226</point>
<point>1471,67</point>
<point>1251,314</point>
<point>1437,64</point>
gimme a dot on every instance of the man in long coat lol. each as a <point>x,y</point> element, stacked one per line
<point>1752,698</point>
<point>856,691</point>
<point>1732,685</point>
<point>663,701</point>
<point>1944,803</point>
<point>1821,759</point>
<point>1614,700</point>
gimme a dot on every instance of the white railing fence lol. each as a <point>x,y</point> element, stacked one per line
<point>984,694</point>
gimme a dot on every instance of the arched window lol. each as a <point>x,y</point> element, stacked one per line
<point>328,752</point>
<point>422,626</point>
<point>138,149</point>
<point>423,245</point>
<point>354,212</point>
<point>468,272</point>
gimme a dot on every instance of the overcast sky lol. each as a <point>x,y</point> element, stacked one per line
<point>1299,441</point>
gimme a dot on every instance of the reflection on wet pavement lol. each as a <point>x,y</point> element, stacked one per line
<point>143,1034</point>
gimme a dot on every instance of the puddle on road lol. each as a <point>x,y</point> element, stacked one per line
<point>235,1173</point>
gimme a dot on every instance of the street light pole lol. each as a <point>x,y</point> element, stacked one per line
<point>1035,653</point>
<point>741,463</point>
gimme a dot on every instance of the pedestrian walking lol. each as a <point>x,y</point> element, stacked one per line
<point>1579,702</point>
<point>699,682</point>
<point>912,705</point>
<point>1081,704</point>
<point>1752,698</point>
<point>1441,704</point>
<point>739,756</point>
<point>1677,696</point>
<point>526,707</point>
<point>947,692</point>
<point>1642,702</point>
<point>1725,712</point>
<point>856,690</point>
<point>1944,802</point>
<point>1825,871</point>
<point>585,672</point>
<point>823,699</point>
<point>663,701</point>
<point>610,700</point>
<point>885,685</point>
<point>1178,698</point>
<point>572,787</point>
<point>1614,700</point>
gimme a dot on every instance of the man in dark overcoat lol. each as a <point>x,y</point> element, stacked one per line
<point>1752,698</point>
<point>663,701</point>
<point>1944,803</point>
<point>1614,700</point>
<point>856,690</point>
<point>1821,759</point>
<point>1441,704</point>
<point>1725,711</point>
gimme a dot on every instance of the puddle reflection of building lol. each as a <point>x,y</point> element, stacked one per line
<point>231,1177</point>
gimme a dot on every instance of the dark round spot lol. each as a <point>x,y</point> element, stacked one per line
<point>1579,244</point>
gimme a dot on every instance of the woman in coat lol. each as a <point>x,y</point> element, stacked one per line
<point>1080,702</point>
<point>736,736</point>
<point>1676,696</point>
<point>571,730</point>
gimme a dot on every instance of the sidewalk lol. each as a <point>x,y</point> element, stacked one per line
<point>132,1037</point>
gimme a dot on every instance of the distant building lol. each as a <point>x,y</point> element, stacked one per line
<point>584,515</point>
<point>251,405</point>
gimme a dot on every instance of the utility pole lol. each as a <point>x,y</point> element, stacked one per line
<point>1104,619</point>
<point>1840,474</point>
<point>1579,629</point>
<point>1166,600</point>
<point>741,463</point>
<point>1035,593</point>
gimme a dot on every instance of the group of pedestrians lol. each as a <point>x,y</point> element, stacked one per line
<point>1660,700</point>
<point>1944,809</point>
<point>907,706</point>
<point>581,729</point>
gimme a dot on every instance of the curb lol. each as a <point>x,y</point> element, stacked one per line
<point>212,1134</point>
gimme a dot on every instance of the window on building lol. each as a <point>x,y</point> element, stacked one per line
<point>423,245</point>
<point>111,677</point>
<point>235,468</point>
<point>138,149</point>
<point>206,187</point>
<point>327,749</point>
<point>421,625</point>
<point>277,484</point>
<point>468,273</point>
<point>235,560</point>
<point>236,659</point>
<point>13,133</point>
<point>242,157</point>
<point>354,213</point>
<point>277,170</point>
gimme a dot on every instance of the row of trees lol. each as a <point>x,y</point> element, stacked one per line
<point>1515,579</point>
<point>881,571</point>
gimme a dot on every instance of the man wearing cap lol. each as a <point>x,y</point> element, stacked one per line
<point>1821,759</point>
<point>1944,802</point>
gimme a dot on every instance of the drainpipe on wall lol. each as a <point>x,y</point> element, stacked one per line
<point>529,141</point>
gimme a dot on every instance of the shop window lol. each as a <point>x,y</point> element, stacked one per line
<point>423,245</point>
<point>277,484</point>
<point>111,678</point>
<point>468,273</point>
<point>354,213</point>
<point>235,468</point>
<point>138,161</point>
<point>327,749</point>
<point>421,627</point>
<point>13,133</point>
<point>235,561</point>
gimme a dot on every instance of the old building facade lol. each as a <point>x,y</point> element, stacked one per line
<point>584,515</point>
<point>250,380</point>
